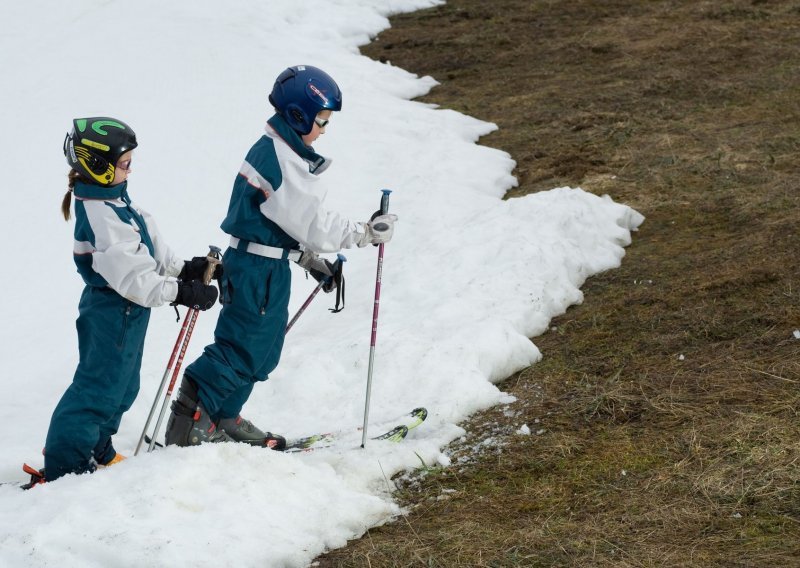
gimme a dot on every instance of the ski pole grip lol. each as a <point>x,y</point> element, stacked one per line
<point>340,259</point>
<point>211,265</point>
<point>385,201</point>
<point>384,209</point>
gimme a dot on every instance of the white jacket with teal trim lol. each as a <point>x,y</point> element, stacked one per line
<point>118,245</point>
<point>276,200</point>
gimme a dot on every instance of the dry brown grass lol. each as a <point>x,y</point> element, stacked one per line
<point>690,112</point>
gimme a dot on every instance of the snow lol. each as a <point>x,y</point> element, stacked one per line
<point>467,279</point>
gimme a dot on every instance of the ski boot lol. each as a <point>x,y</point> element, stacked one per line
<point>242,430</point>
<point>117,458</point>
<point>106,456</point>
<point>189,423</point>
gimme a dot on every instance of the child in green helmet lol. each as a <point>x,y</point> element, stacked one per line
<point>127,269</point>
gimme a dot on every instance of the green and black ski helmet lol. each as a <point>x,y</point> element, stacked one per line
<point>95,144</point>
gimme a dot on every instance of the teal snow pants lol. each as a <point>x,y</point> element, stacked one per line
<point>249,335</point>
<point>111,333</point>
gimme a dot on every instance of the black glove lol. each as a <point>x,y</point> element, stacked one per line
<point>195,294</point>
<point>195,269</point>
<point>323,271</point>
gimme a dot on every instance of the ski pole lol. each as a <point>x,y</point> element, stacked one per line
<point>163,381</point>
<point>183,340</point>
<point>339,259</point>
<point>384,210</point>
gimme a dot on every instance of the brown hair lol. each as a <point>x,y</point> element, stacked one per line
<point>72,176</point>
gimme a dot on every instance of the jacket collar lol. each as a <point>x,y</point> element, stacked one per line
<point>91,191</point>
<point>316,163</point>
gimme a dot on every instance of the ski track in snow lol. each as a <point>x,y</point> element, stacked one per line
<point>467,279</point>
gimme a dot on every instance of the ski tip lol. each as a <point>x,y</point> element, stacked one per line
<point>37,477</point>
<point>30,470</point>
<point>394,435</point>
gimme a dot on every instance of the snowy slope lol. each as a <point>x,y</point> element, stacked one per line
<point>467,279</point>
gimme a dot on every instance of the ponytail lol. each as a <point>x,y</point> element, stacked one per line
<point>67,201</point>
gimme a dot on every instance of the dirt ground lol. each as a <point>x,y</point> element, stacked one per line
<point>665,410</point>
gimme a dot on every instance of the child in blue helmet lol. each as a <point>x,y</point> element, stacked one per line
<point>275,215</point>
<point>127,269</point>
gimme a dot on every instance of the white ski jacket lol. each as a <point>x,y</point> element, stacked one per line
<point>119,246</point>
<point>276,200</point>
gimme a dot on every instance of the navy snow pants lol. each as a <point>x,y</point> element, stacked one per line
<point>111,333</point>
<point>249,335</point>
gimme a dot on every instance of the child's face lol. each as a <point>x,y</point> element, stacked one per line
<point>317,130</point>
<point>122,168</point>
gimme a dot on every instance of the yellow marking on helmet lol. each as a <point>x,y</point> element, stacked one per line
<point>93,144</point>
<point>104,178</point>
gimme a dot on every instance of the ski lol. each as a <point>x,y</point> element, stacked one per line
<point>309,442</point>
<point>395,434</point>
<point>325,440</point>
<point>319,441</point>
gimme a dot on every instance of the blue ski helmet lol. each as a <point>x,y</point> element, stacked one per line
<point>95,144</point>
<point>301,92</point>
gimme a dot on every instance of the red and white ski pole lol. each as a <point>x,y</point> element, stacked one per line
<point>383,210</point>
<point>183,342</point>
